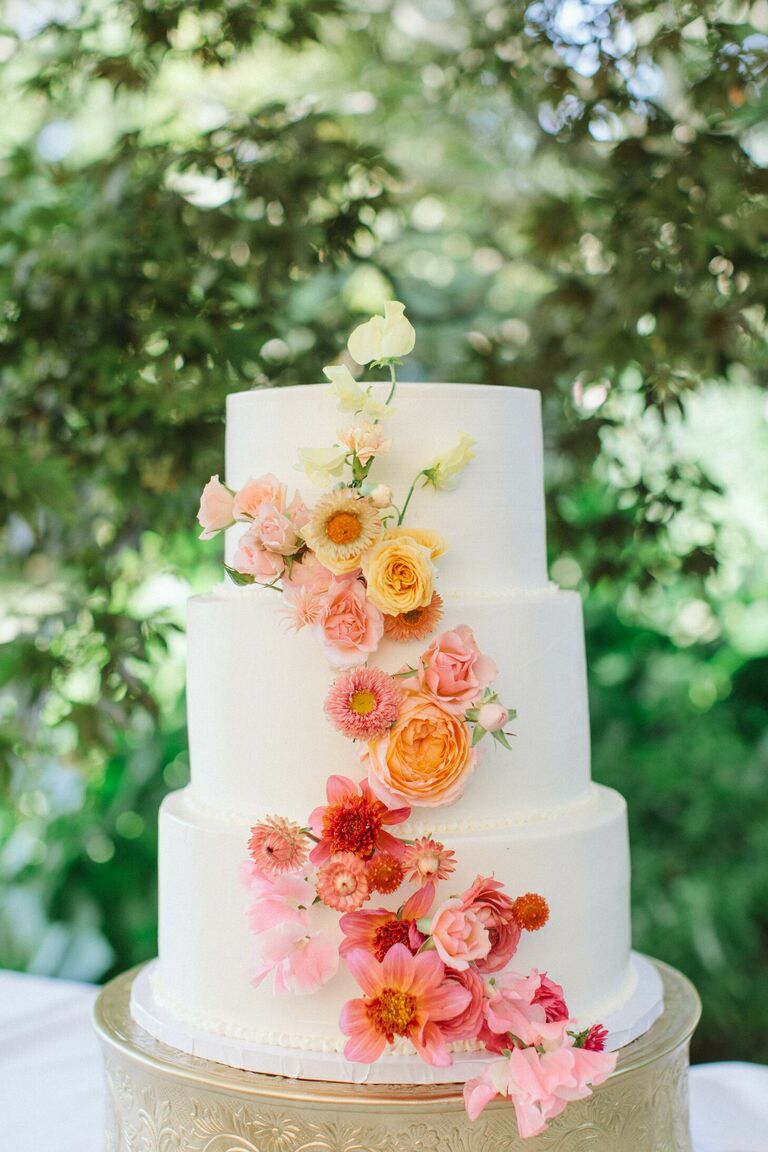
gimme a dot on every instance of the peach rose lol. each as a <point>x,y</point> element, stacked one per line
<point>276,532</point>
<point>253,559</point>
<point>425,758</point>
<point>349,627</point>
<point>400,574</point>
<point>454,670</point>
<point>265,490</point>
<point>458,934</point>
<point>216,508</point>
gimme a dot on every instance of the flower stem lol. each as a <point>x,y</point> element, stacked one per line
<point>411,491</point>
<point>393,378</point>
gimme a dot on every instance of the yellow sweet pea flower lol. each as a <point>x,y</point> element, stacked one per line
<point>322,465</point>
<point>444,471</point>
<point>350,396</point>
<point>384,337</point>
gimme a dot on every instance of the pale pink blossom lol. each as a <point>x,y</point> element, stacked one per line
<point>366,440</point>
<point>492,717</point>
<point>349,627</point>
<point>275,530</point>
<point>458,934</point>
<point>216,508</point>
<point>454,671</point>
<point>264,490</point>
<point>253,559</point>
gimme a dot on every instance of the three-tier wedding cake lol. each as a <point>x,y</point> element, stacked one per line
<point>390,862</point>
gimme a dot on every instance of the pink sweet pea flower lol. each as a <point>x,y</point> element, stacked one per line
<point>551,998</point>
<point>349,627</point>
<point>216,508</point>
<point>354,820</point>
<point>510,1007</point>
<point>458,934</point>
<point>454,671</point>
<point>404,995</point>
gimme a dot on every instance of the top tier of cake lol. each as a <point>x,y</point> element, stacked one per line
<point>493,521</point>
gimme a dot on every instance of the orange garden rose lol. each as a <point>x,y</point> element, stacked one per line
<point>425,758</point>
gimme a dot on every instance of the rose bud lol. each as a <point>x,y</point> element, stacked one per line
<point>492,717</point>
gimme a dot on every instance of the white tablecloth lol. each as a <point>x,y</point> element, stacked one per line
<point>50,1078</point>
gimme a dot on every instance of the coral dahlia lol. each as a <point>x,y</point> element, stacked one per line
<point>278,845</point>
<point>378,929</point>
<point>363,703</point>
<point>404,995</point>
<point>354,820</point>
<point>416,624</point>
<point>342,882</point>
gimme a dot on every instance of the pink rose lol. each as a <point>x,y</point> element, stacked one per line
<point>488,899</point>
<point>216,508</point>
<point>458,934</point>
<point>551,998</point>
<point>348,627</point>
<point>266,490</point>
<point>253,559</point>
<point>492,717</point>
<point>297,511</point>
<point>468,1024</point>
<point>276,532</point>
<point>454,670</point>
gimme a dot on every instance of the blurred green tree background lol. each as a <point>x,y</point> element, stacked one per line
<point>200,196</point>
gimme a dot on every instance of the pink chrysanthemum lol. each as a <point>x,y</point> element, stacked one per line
<point>427,859</point>
<point>342,882</point>
<point>363,703</point>
<point>596,1038</point>
<point>278,845</point>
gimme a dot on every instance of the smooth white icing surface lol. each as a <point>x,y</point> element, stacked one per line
<point>578,861</point>
<point>493,520</point>
<point>260,741</point>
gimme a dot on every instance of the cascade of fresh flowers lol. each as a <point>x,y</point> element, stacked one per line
<point>434,970</point>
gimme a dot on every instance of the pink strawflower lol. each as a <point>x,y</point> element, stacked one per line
<point>354,820</point>
<point>278,845</point>
<point>552,999</point>
<point>363,703</point>
<point>216,508</point>
<point>596,1038</point>
<point>342,882</point>
<point>378,929</point>
<point>404,995</point>
<point>428,860</point>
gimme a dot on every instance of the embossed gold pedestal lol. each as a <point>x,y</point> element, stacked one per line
<point>161,1100</point>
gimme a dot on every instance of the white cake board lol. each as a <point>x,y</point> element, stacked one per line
<point>635,1017</point>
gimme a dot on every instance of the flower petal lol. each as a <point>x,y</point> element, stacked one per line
<point>366,970</point>
<point>431,1046</point>
<point>419,903</point>
<point>446,1002</point>
<point>398,968</point>
<point>338,788</point>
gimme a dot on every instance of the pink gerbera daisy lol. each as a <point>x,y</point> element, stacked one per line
<point>342,882</point>
<point>404,995</point>
<point>278,845</point>
<point>427,859</point>
<point>363,703</point>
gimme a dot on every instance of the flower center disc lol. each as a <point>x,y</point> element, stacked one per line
<point>392,1011</point>
<point>363,702</point>
<point>343,527</point>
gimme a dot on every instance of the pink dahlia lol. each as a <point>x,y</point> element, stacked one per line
<point>278,845</point>
<point>378,929</point>
<point>342,882</point>
<point>404,995</point>
<point>363,703</point>
<point>428,860</point>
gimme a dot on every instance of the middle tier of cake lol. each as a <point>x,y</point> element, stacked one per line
<point>577,858</point>
<point>261,744</point>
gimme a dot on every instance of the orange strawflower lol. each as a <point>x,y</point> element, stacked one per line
<point>530,911</point>
<point>417,624</point>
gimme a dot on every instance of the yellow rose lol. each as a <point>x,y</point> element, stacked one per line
<point>399,572</point>
<point>432,540</point>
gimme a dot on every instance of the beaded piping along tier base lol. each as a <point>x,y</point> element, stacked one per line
<point>161,1100</point>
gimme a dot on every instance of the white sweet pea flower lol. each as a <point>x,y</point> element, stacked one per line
<point>350,396</point>
<point>384,337</point>
<point>444,471</point>
<point>322,465</point>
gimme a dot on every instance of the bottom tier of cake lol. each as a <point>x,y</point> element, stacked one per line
<point>577,858</point>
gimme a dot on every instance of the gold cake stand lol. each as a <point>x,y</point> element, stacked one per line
<point>162,1100</point>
